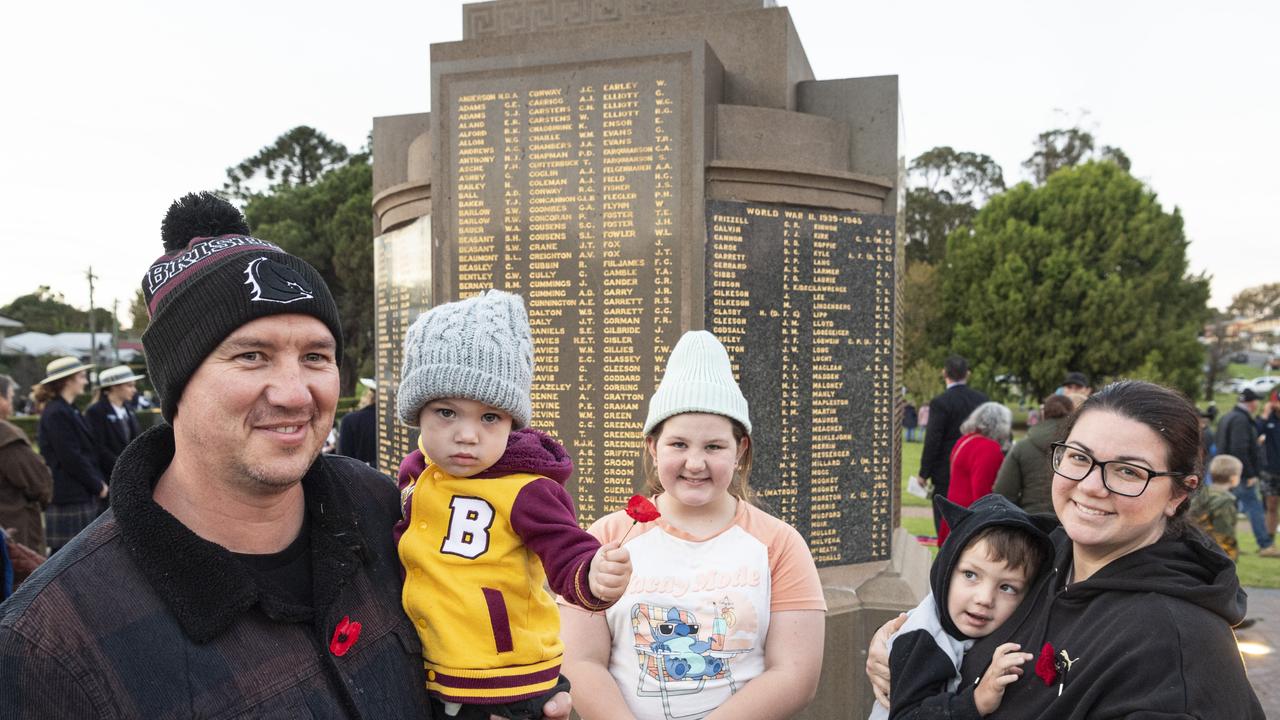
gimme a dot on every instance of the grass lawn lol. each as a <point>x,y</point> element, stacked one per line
<point>911,452</point>
<point>1255,571</point>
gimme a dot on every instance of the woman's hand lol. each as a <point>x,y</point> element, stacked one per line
<point>1006,666</point>
<point>878,659</point>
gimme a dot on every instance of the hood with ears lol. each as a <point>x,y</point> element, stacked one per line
<point>987,511</point>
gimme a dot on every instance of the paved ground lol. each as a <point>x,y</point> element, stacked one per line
<point>1264,670</point>
<point>1264,610</point>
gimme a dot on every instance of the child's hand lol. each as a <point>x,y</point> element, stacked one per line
<point>610,572</point>
<point>1006,666</point>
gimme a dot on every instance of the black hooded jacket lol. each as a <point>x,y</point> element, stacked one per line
<point>920,668</point>
<point>1146,637</point>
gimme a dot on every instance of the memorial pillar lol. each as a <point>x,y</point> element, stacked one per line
<point>639,169</point>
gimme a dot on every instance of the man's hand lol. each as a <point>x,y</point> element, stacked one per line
<point>878,659</point>
<point>1006,666</point>
<point>610,572</point>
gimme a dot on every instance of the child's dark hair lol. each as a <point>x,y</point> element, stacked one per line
<point>1013,546</point>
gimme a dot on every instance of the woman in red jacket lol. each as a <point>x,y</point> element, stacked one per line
<point>976,458</point>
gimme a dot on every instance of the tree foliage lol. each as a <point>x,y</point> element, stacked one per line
<point>921,313</point>
<point>1086,272</point>
<point>1261,302</point>
<point>1220,346</point>
<point>297,158</point>
<point>1068,147</point>
<point>329,223</point>
<point>47,311</point>
<point>947,187</point>
<point>139,318</point>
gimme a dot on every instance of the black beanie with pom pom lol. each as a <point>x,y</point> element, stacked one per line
<point>213,278</point>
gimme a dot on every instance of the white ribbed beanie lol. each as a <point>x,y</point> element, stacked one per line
<point>478,349</point>
<point>699,378</point>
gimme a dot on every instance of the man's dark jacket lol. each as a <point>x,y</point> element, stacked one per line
<point>110,432</point>
<point>69,450</point>
<point>358,435</point>
<point>1238,437</point>
<point>946,412</point>
<point>140,618</point>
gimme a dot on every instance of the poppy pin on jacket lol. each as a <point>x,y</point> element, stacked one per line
<point>344,636</point>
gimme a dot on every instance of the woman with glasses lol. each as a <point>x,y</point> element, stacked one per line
<point>1134,620</point>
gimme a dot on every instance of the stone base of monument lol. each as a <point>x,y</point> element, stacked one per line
<point>860,598</point>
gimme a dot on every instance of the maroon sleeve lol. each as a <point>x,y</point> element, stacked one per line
<point>543,517</point>
<point>410,469</point>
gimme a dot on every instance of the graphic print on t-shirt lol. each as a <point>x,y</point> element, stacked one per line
<point>678,652</point>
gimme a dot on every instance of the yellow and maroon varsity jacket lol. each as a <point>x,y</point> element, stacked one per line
<point>474,552</point>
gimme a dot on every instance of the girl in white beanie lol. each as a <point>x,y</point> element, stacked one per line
<point>724,615</point>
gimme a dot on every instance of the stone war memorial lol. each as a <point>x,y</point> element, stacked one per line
<point>639,168</point>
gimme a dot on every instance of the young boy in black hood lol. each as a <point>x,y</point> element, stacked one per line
<point>981,574</point>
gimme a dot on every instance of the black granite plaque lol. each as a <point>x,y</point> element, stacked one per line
<point>803,300</point>
<point>402,282</point>
<point>562,183</point>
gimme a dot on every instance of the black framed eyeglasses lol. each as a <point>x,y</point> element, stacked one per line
<point>1118,476</point>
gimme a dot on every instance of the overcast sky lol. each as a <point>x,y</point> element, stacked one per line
<point>111,110</point>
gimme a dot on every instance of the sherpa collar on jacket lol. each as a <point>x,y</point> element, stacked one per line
<point>202,583</point>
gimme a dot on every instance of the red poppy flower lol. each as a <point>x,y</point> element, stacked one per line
<point>344,636</point>
<point>1046,668</point>
<point>641,510</point>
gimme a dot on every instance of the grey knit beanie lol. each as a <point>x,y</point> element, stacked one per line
<point>699,378</point>
<point>478,349</point>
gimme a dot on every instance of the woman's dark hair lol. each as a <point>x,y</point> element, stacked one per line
<point>1172,416</point>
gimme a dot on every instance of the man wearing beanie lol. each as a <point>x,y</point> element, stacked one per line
<point>493,489</point>
<point>238,573</point>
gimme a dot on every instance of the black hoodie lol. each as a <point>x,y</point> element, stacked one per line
<point>920,666</point>
<point>1148,636</point>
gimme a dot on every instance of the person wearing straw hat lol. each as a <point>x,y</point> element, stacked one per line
<point>111,422</point>
<point>68,448</point>
<point>358,431</point>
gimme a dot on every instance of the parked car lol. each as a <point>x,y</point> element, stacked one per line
<point>1262,385</point>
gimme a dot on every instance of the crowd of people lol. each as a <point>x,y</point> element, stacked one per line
<point>220,564</point>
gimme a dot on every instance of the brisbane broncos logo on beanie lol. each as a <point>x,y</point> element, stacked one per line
<point>270,281</point>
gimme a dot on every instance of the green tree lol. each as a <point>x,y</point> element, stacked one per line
<point>1086,272</point>
<point>329,223</point>
<point>946,188</point>
<point>47,311</point>
<point>297,158</point>
<point>1261,301</point>
<point>139,317</point>
<point>921,313</point>
<point>1069,147</point>
<point>1219,347</point>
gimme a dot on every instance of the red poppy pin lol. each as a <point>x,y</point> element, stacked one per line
<point>1046,668</point>
<point>344,636</point>
<point>639,509</point>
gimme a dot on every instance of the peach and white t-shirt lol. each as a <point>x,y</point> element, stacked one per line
<point>690,629</point>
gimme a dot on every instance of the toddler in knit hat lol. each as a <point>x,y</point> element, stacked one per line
<point>486,520</point>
